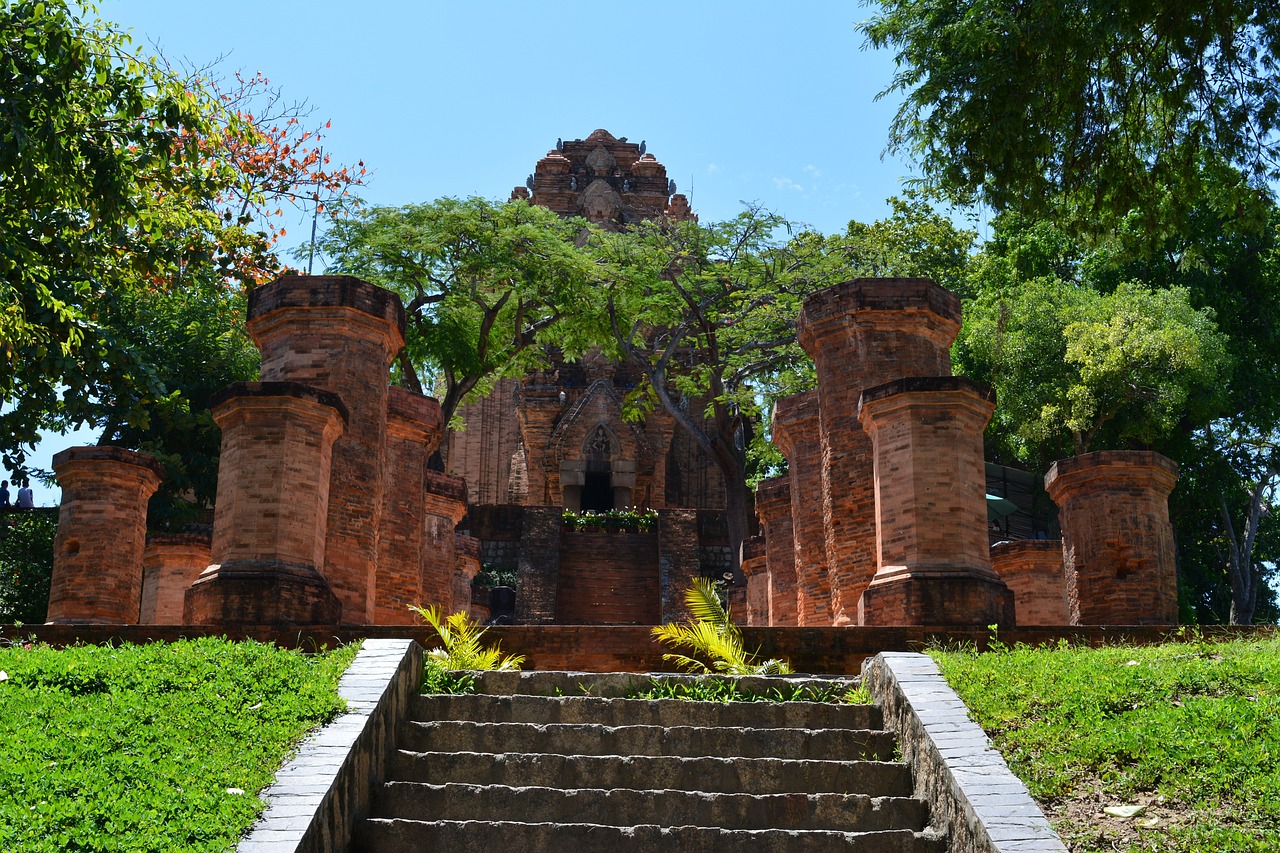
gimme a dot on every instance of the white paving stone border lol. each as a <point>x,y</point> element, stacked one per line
<point>320,794</point>
<point>973,795</point>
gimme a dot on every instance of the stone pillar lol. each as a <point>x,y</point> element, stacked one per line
<point>468,566</point>
<point>931,509</point>
<point>538,569</point>
<point>1118,546</point>
<point>755,567</point>
<point>414,428</point>
<point>444,505</point>
<point>273,497</point>
<point>170,564</point>
<point>773,508</point>
<point>102,529</point>
<point>860,334</point>
<point>1032,568</point>
<point>678,561</point>
<point>339,333</point>
<point>797,432</point>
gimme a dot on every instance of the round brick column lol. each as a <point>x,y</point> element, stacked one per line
<point>931,510</point>
<point>773,507</point>
<point>414,428</point>
<point>1032,568</point>
<point>797,433</point>
<point>340,334</point>
<point>860,334</point>
<point>1119,552</point>
<point>102,530</point>
<point>755,568</point>
<point>273,497</point>
<point>444,505</point>
<point>170,564</point>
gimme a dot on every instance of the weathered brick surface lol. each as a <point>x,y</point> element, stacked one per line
<point>273,496</point>
<point>170,564</point>
<point>539,567</point>
<point>339,333</point>
<point>863,333</point>
<point>677,560</point>
<point>797,432</point>
<point>467,549</point>
<point>102,528</point>
<point>608,578</point>
<point>1118,546</point>
<point>1032,568</point>
<point>414,428</point>
<point>773,508</point>
<point>931,522</point>
<point>444,504</point>
<point>755,567</point>
<point>484,454</point>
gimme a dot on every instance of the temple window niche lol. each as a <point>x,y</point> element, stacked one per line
<point>598,481</point>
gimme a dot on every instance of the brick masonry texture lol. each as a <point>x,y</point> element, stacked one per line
<point>863,333</point>
<point>773,508</point>
<point>677,560</point>
<point>1032,568</point>
<point>414,428</point>
<point>170,564</point>
<point>444,504</point>
<point>102,528</point>
<point>1118,547</point>
<point>273,495</point>
<point>755,567</point>
<point>340,334</point>
<point>797,432</point>
<point>608,578</point>
<point>539,566</point>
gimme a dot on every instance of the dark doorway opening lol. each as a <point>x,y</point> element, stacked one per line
<point>597,493</point>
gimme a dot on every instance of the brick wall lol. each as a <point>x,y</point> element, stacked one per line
<point>170,564</point>
<point>773,508</point>
<point>797,432</point>
<point>539,567</point>
<point>444,504</point>
<point>678,562</point>
<point>608,579</point>
<point>755,567</point>
<point>102,528</point>
<point>1032,568</point>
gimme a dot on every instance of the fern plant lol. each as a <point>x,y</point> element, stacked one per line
<point>460,638</point>
<point>714,636</point>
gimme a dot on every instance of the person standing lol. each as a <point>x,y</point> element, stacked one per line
<point>4,494</point>
<point>26,500</point>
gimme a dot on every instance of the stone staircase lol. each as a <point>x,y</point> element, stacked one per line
<point>520,768</point>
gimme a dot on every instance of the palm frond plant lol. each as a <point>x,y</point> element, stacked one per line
<point>713,636</point>
<point>460,642</point>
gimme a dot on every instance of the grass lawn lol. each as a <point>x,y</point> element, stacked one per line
<point>1189,731</point>
<point>159,747</point>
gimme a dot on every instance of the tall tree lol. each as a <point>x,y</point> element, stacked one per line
<point>1087,110</point>
<point>483,283</point>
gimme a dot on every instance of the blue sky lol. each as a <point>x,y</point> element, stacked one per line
<point>761,102</point>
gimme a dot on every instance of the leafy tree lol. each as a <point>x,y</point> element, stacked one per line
<point>26,564</point>
<point>1087,111</point>
<point>484,284</point>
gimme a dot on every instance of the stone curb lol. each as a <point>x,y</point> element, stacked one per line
<point>320,794</point>
<point>973,795</point>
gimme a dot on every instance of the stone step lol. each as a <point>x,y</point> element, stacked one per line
<point>630,807</point>
<point>704,773</point>
<point>521,708</point>
<point>395,835</point>
<point>589,739</point>
<point>623,684</point>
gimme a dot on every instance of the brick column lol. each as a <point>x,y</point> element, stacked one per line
<point>538,565</point>
<point>773,508</point>
<point>170,564</point>
<point>931,509</point>
<point>102,529</point>
<point>273,496</point>
<point>1118,546</point>
<point>678,562</point>
<point>444,505</point>
<point>414,428</point>
<point>797,432</point>
<point>860,334</point>
<point>468,566</point>
<point>340,334</point>
<point>755,568</point>
<point>1032,568</point>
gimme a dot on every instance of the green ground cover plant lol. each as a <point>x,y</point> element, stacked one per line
<point>160,747</point>
<point>721,690</point>
<point>1187,734</point>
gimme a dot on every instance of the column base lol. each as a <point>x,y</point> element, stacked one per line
<point>934,598</point>
<point>264,593</point>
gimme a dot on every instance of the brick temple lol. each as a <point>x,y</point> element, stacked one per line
<point>329,511</point>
